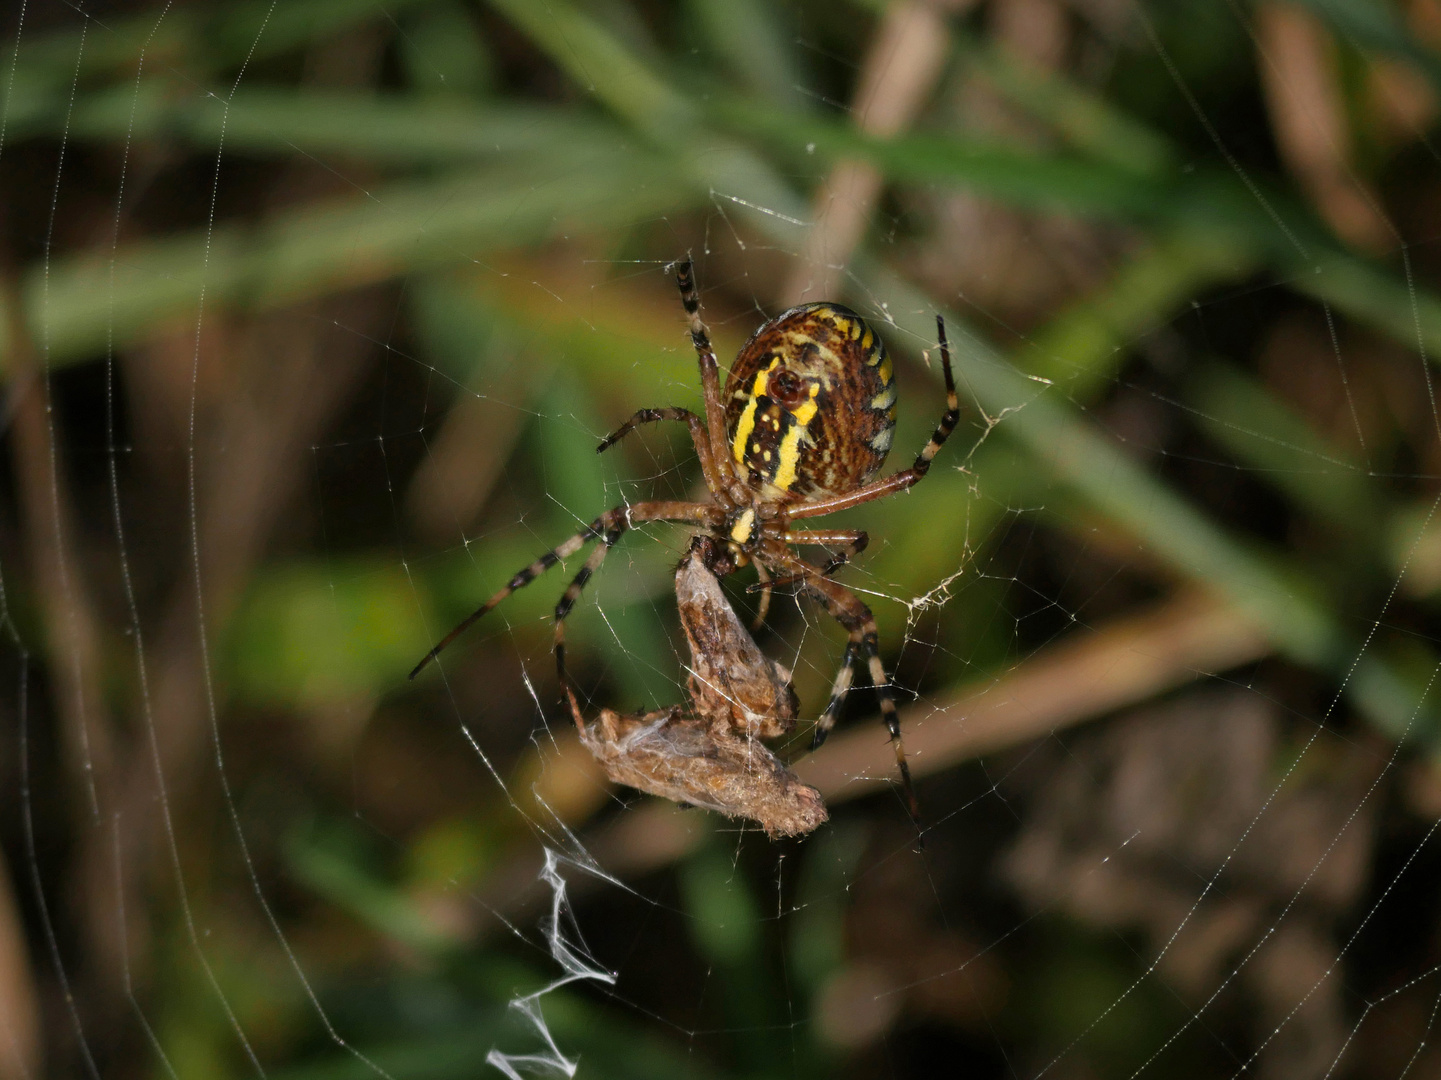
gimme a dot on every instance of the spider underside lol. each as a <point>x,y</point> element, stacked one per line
<point>804,423</point>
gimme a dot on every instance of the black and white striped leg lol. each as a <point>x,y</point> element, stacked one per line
<point>699,437</point>
<point>851,550</point>
<point>709,372</point>
<point>850,612</point>
<point>571,595</point>
<point>651,416</point>
<point>699,335</point>
<point>858,543</point>
<point>610,524</point>
<point>953,407</point>
<point>886,695</point>
<point>865,639</point>
<point>839,689</point>
<point>519,581</point>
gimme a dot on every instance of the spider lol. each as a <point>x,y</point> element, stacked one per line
<point>802,427</point>
<point>709,755</point>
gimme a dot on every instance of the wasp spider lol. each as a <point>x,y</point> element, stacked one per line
<point>803,425</point>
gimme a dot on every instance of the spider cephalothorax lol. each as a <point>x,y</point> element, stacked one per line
<point>805,423</point>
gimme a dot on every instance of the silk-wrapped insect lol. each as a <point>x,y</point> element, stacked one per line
<point>708,753</point>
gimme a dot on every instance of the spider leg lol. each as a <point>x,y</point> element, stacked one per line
<point>852,613</point>
<point>698,436</point>
<point>855,544</point>
<point>839,690</point>
<point>906,477</point>
<point>561,551</point>
<point>616,520</point>
<point>709,373</point>
<point>567,601</point>
<point>764,588</point>
<point>870,641</point>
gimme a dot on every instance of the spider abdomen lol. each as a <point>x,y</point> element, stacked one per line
<point>811,404</point>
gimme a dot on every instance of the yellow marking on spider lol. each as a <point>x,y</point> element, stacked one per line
<point>885,399</point>
<point>868,339</point>
<point>744,426</point>
<point>790,448</point>
<point>758,387</point>
<point>841,323</point>
<point>747,422</point>
<point>744,526</point>
<point>885,371</point>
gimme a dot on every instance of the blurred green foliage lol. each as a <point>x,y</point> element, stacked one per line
<point>498,134</point>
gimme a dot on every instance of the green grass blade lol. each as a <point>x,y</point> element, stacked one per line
<point>751,37</point>
<point>1082,118</point>
<point>1082,348</point>
<point>1266,435</point>
<point>199,39</point>
<point>1017,177</point>
<point>89,303</point>
<point>409,128</point>
<point>600,64</point>
<point>1071,451</point>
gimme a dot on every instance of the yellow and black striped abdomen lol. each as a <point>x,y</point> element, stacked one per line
<point>811,404</point>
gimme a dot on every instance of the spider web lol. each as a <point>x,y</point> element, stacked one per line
<point>315,313</point>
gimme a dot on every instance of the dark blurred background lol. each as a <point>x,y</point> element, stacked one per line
<point>313,313</point>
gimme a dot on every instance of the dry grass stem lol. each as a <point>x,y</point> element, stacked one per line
<point>1308,114</point>
<point>72,635</point>
<point>1085,676</point>
<point>898,75</point>
<point>1082,677</point>
<point>464,462</point>
<point>260,405</point>
<point>19,1006</point>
